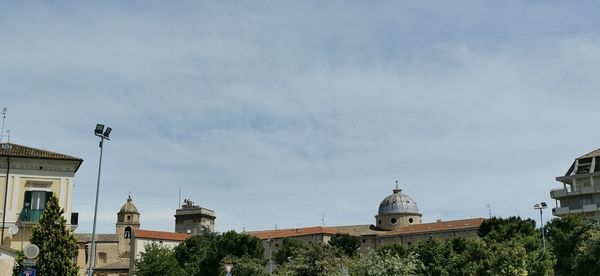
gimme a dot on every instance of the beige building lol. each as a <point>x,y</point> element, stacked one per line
<point>112,250</point>
<point>33,176</point>
<point>580,192</point>
<point>398,221</point>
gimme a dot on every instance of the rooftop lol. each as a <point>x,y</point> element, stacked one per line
<point>160,235</point>
<point>292,232</point>
<point>15,150</point>
<point>435,226</point>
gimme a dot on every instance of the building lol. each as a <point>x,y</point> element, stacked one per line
<point>116,253</point>
<point>141,238</point>
<point>193,219</point>
<point>580,192</point>
<point>112,250</point>
<point>398,220</point>
<point>29,176</point>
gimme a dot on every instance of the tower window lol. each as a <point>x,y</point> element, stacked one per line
<point>411,220</point>
<point>394,220</point>
<point>127,233</point>
<point>128,218</point>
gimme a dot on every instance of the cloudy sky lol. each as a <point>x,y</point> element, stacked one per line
<point>281,112</point>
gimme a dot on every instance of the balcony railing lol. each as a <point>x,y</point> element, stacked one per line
<point>560,192</point>
<point>30,215</point>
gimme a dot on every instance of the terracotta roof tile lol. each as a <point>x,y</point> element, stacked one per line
<point>160,235</point>
<point>28,152</point>
<point>435,227</point>
<point>294,232</point>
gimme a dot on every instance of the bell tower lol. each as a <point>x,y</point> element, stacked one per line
<point>128,219</point>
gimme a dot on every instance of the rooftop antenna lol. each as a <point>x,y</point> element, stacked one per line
<point>179,201</point>
<point>3,120</point>
<point>322,219</point>
<point>489,206</point>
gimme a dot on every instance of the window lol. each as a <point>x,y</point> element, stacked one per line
<point>411,220</point>
<point>127,233</point>
<point>102,257</point>
<point>34,203</point>
<point>394,220</point>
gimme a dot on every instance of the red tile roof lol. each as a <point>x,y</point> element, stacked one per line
<point>294,232</point>
<point>160,235</point>
<point>436,227</point>
<point>15,150</point>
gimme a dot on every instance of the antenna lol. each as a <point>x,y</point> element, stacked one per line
<point>322,219</point>
<point>489,206</point>
<point>396,184</point>
<point>3,120</point>
<point>179,202</point>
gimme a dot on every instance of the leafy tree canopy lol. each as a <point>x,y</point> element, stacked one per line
<point>58,246</point>
<point>157,260</point>
<point>349,245</point>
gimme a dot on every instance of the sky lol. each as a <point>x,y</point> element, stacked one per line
<point>287,113</point>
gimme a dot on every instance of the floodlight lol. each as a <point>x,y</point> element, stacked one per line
<point>544,205</point>
<point>107,132</point>
<point>99,129</point>
<point>536,206</point>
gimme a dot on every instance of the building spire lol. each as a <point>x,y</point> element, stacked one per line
<point>397,190</point>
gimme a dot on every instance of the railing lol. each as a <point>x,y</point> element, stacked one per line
<point>31,215</point>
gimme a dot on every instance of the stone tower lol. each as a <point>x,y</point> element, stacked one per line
<point>193,219</point>
<point>128,219</point>
<point>397,210</point>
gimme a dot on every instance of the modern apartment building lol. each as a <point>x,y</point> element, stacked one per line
<point>580,192</point>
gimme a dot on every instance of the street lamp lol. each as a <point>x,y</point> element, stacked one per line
<point>103,134</point>
<point>541,206</point>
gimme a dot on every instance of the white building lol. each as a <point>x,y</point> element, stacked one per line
<point>580,192</point>
<point>141,238</point>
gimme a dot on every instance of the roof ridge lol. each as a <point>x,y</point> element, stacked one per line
<point>41,153</point>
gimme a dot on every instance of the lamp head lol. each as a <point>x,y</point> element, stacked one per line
<point>544,205</point>
<point>107,132</point>
<point>99,129</point>
<point>536,206</point>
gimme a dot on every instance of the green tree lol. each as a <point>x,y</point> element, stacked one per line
<point>18,263</point>
<point>394,248</point>
<point>434,255</point>
<point>348,244</point>
<point>587,254</point>
<point>316,260</point>
<point>507,258</point>
<point>202,255</point>
<point>563,235</point>
<point>58,247</point>
<point>245,266</point>
<point>290,248</point>
<point>386,263</point>
<point>501,229</point>
<point>157,260</point>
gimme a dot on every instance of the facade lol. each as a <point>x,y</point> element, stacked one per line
<point>580,192</point>
<point>398,221</point>
<point>7,260</point>
<point>112,250</point>
<point>29,176</point>
<point>193,219</point>
<point>141,238</point>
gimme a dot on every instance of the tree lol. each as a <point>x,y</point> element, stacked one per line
<point>587,254</point>
<point>500,229</point>
<point>290,248</point>
<point>348,244</point>
<point>58,246</point>
<point>245,266</point>
<point>563,235</point>
<point>18,263</point>
<point>316,260</point>
<point>202,255</point>
<point>386,263</point>
<point>157,260</point>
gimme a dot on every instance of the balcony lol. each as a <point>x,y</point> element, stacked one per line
<point>561,192</point>
<point>30,215</point>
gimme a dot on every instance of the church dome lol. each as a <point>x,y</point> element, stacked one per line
<point>398,203</point>
<point>129,207</point>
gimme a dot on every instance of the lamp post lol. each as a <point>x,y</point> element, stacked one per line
<point>541,206</point>
<point>5,147</point>
<point>103,134</point>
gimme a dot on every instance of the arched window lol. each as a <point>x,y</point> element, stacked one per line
<point>128,232</point>
<point>128,218</point>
